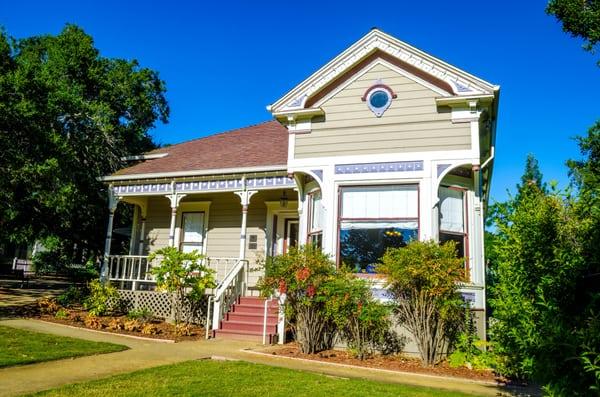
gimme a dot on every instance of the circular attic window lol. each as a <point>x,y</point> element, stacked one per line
<point>379,98</point>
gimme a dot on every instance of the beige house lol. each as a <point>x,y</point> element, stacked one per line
<point>382,145</point>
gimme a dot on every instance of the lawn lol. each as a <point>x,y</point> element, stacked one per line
<point>236,378</point>
<point>18,346</point>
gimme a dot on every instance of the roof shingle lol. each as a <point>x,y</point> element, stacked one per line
<point>264,144</point>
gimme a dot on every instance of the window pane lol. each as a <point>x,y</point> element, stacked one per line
<point>460,242</point>
<point>399,201</point>
<point>317,240</point>
<point>192,227</point>
<point>317,212</point>
<point>363,244</point>
<point>451,210</point>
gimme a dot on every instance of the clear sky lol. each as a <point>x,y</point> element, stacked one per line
<point>223,61</point>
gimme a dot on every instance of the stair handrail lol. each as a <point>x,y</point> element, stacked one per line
<point>269,299</point>
<point>235,281</point>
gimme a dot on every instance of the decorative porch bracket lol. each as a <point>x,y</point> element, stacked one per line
<point>174,198</point>
<point>245,199</point>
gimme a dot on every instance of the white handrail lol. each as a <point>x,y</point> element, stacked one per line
<point>235,283</point>
<point>269,299</point>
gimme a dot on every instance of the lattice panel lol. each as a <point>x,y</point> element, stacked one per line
<point>159,303</point>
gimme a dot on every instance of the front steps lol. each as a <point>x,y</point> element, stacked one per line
<point>245,320</point>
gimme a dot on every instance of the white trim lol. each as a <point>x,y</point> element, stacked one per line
<point>377,40</point>
<point>213,172</point>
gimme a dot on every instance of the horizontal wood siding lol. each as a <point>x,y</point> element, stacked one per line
<point>158,222</point>
<point>412,123</point>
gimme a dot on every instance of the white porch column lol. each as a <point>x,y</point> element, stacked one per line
<point>245,199</point>
<point>142,235</point>
<point>113,201</point>
<point>174,198</point>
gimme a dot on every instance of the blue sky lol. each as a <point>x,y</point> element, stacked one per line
<point>223,62</point>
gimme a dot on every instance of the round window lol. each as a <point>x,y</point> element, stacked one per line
<point>379,99</point>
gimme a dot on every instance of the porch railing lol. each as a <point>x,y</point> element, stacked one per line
<point>229,290</point>
<point>136,268</point>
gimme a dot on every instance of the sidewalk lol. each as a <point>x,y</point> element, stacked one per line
<point>145,354</point>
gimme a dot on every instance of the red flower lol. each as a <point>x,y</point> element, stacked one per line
<point>303,274</point>
<point>282,287</point>
<point>311,291</point>
<point>360,305</point>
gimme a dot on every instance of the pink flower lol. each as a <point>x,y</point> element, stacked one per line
<point>311,291</point>
<point>303,274</point>
<point>282,287</point>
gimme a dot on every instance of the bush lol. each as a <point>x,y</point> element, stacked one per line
<point>62,314</point>
<point>103,298</point>
<point>360,320</point>
<point>300,274</point>
<point>140,314</point>
<point>423,278</point>
<point>48,305</point>
<point>72,296</point>
<point>183,275</point>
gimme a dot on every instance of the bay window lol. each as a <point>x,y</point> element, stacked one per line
<point>373,219</point>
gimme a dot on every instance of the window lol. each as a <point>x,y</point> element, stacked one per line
<point>453,218</point>
<point>373,219</point>
<point>252,242</point>
<point>316,219</point>
<point>379,98</point>
<point>192,231</point>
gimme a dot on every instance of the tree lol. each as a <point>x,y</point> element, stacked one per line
<point>423,277</point>
<point>580,18</point>
<point>67,116</point>
<point>531,176</point>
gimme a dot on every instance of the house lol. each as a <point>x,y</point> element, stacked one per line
<point>382,145</point>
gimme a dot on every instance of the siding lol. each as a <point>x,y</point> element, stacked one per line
<point>158,222</point>
<point>411,123</point>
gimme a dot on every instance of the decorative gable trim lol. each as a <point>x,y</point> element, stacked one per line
<point>421,64</point>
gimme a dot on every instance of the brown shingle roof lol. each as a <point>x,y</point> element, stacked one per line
<point>264,144</point>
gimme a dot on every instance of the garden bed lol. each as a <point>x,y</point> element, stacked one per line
<point>392,362</point>
<point>156,329</point>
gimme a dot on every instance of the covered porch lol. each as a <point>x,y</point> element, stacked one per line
<point>243,218</point>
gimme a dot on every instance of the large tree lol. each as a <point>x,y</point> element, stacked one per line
<point>67,116</point>
<point>580,18</point>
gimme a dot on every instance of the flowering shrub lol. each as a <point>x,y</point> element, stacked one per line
<point>300,274</point>
<point>360,320</point>
<point>103,298</point>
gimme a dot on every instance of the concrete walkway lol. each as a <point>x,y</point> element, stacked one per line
<point>145,354</point>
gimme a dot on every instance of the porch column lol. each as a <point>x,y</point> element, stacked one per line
<point>113,201</point>
<point>245,199</point>
<point>142,231</point>
<point>174,198</point>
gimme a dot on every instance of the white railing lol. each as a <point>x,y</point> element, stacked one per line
<point>229,290</point>
<point>129,268</point>
<point>221,266</point>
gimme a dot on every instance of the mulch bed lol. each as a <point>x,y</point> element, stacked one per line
<point>394,363</point>
<point>164,330</point>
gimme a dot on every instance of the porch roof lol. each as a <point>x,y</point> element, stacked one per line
<point>256,146</point>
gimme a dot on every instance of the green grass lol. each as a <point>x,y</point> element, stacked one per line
<point>18,347</point>
<point>218,378</point>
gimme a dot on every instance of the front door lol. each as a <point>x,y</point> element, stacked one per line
<point>291,234</point>
<point>192,231</point>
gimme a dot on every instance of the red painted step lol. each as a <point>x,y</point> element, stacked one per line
<point>245,320</point>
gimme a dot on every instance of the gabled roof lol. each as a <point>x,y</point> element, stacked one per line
<point>262,146</point>
<point>458,83</point>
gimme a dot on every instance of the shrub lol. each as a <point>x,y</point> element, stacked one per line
<point>423,279</point>
<point>184,330</point>
<point>115,324</point>
<point>48,305</point>
<point>150,329</point>
<point>140,314</point>
<point>133,325</point>
<point>92,321</point>
<point>103,298</point>
<point>361,321</point>
<point>300,274</point>
<point>72,296</point>
<point>62,314</point>
<point>183,275</point>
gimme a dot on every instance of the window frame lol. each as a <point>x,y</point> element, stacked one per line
<point>202,232</point>
<point>340,219</point>
<point>465,232</point>
<point>316,233</point>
